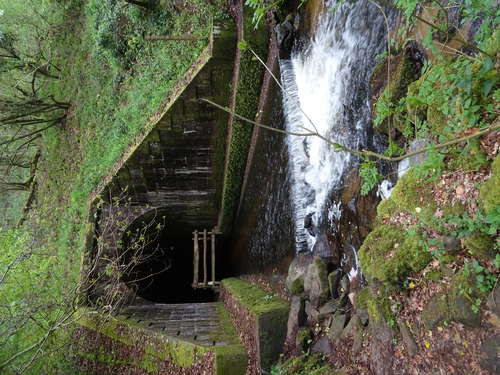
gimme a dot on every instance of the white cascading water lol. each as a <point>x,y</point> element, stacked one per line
<point>326,90</point>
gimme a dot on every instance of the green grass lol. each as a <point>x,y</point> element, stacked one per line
<point>115,82</point>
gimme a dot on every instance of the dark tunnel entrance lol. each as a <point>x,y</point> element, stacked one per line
<point>159,255</point>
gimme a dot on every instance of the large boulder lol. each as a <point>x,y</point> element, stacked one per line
<point>316,284</point>
<point>435,312</point>
<point>322,346</point>
<point>337,326</point>
<point>354,329</point>
<point>296,317</point>
<point>490,350</point>
<point>296,273</point>
<point>334,282</point>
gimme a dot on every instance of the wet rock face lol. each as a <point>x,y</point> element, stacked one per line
<point>286,34</point>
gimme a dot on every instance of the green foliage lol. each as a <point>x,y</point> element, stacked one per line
<point>489,193</point>
<point>260,7</point>
<point>408,6</point>
<point>369,175</point>
<point>432,167</point>
<point>307,364</point>
<point>116,81</point>
<point>484,282</point>
<point>466,225</point>
<point>32,303</point>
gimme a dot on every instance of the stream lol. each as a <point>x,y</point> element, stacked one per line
<point>293,203</point>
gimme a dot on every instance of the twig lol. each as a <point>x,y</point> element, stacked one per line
<point>363,153</point>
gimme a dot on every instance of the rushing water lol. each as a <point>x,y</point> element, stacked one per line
<point>327,91</point>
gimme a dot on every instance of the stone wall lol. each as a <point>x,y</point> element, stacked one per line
<point>179,165</point>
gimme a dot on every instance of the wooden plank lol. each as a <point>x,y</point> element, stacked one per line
<point>196,261</point>
<point>213,256</point>
<point>205,257</point>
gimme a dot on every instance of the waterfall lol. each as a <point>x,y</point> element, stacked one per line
<point>327,90</point>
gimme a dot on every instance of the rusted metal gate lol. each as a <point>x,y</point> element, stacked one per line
<point>204,237</point>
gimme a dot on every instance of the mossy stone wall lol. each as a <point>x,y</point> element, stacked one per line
<point>179,165</point>
<point>124,342</point>
<point>270,314</point>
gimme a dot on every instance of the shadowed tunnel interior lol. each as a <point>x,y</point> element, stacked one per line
<point>160,258</point>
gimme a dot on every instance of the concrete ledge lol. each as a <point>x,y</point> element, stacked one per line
<point>260,319</point>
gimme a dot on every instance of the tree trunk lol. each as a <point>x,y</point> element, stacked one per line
<point>179,37</point>
<point>14,186</point>
<point>144,4</point>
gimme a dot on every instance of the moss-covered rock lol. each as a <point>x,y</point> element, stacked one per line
<point>316,284</point>
<point>411,194</point>
<point>489,194</point>
<point>436,311</point>
<point>462,294</point>
<point>457,304</point>
<point>296,272</point>
<point>480,245</point>
<point>376,304</point>
<point>391,254</point>
<point>296,287</point>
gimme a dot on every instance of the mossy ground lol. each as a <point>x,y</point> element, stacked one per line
<point>391,255</point>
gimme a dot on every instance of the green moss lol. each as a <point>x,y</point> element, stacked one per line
<point>307,364</point>
<point>489,194</point>
<point>304,338</point>
<point>480,245</point>
<point>391,254</point>
<point>458,209</point>
<point>433,275</point>
<point>247,100</point>
<point>230,360</point>
<point>462,295</point>
<point>436,311</point>
<point>361,298</point>
<point>411,192</point>
<point>377,306</point>
<point>252,297</point>
<point>297,286</point>
<point>157,346</point>
<point>226,332</point>
<point>270,313</point>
